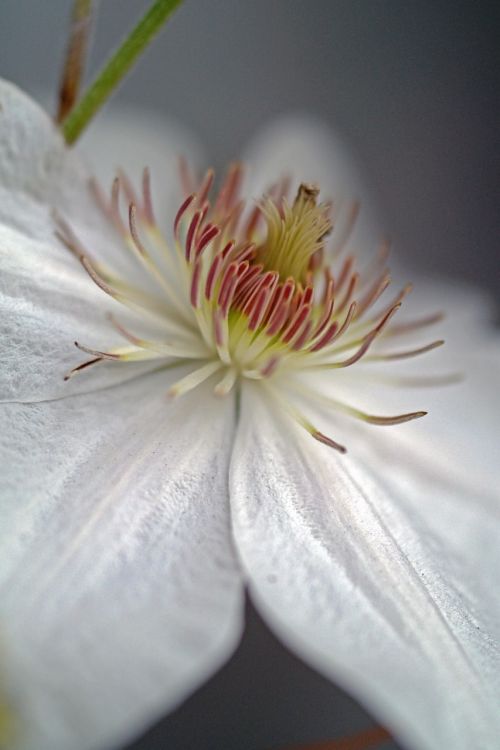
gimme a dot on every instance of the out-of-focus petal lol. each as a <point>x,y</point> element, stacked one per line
<point>119,589</point>
<point>131,139</point>
<point>305,149</point>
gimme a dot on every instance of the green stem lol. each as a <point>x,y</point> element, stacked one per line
<point>116,68</point>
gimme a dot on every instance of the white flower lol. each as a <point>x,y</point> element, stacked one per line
<point>131,521</point>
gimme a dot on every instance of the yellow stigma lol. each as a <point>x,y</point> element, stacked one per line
<point>295,234</point>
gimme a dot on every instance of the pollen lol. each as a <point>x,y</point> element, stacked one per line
<point>265,291</point>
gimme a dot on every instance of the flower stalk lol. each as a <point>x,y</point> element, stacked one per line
<point>74,65</point>
<point>116,68</point>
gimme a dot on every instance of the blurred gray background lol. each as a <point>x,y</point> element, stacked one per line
<point>413,87</point>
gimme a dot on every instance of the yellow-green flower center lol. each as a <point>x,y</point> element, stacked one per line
<point>295,234</point>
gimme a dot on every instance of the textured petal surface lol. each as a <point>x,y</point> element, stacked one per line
<point>378,572</point>
<point>47,300</point>
<point>37,171</point>
<point>119,589</point>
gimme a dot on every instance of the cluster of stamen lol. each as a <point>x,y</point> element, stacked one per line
<point>247,292</point>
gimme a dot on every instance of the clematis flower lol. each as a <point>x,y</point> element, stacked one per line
<point>197,448</point>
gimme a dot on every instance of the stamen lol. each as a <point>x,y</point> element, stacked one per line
<point>133,230</point>
<point>250,293</point>
<point>407,354</point>
<point>208,235</point>
<point>128,189</point>
<point>126,354</point>
<point>221,334</point>
<point>419,381</point>
<point>367,342</point>
<point>186,178</point>
<point>306,424</point>
<point>262,300</point>
<point>226,384</point>
<point>225,286</point>
<point>373,294</point>
<point>115,200</point>
<point>326,338</point>
<point>189,350</point>
<point>229,191</point>
<point>146,194</point>
<point>205,186</point>
<point>134,299</point>
<point>248,286</point>
<point>81,367</point>
<point>195,221</point>
<point>182,210</point>
<point>195,285</point>
<point>347,321</point>
<point>322,438</point>
<point>270,367</point>
<point>281,312</point>
<point>414,325</point>
<point>352,411</point>
<point>328,304</point>
<point>345,273</point>
<point>65,234</point>
<point>295,326</point>
<point>213,275</point>
<point>301,338</point>
<point>108,207</point>
<point>373,418</point>
<point>253,221</point>
<point>196,377</point>
<point>396,301</point>
<point>353,282</point>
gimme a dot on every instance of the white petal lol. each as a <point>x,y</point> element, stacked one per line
<point>459,435</point>
<point>39,173</point>
<point>47,300</point>
<point>46,304</point>
<point>462,426</point>
<point>469,314</point>
<point>120,591</point>
<point>393,598</point>
<point>36,169</point>
<point>308,151</point>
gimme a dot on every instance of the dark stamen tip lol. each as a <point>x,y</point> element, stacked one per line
<point>321,438</point>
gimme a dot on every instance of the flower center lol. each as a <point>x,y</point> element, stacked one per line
<point>259,288</point>
<point>253,293</point>
<point>295,234</point>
